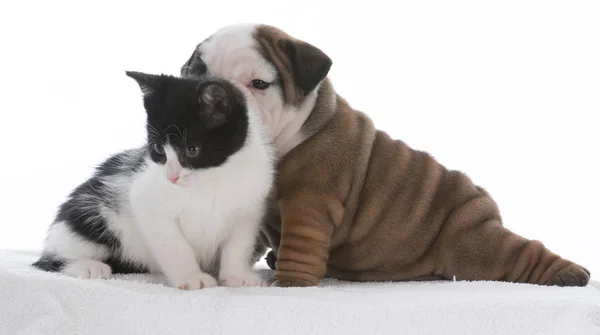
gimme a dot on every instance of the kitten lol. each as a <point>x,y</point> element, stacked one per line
<point>187,203</point>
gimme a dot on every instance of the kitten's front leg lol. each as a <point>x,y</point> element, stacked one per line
<point>174,255</point>
<point>236,253</point>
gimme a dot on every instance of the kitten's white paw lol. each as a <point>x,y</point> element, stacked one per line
<point>242,279</point>
<point>88,269</point>
<point>197,281</point>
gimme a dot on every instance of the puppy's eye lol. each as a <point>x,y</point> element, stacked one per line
<point>260,84</point>
<point>159,149</point>
<point>192,152</point>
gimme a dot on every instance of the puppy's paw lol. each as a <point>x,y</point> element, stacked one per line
<point>572,275</point>
<point>244,279</point>
<point>88,269</point>
<point>290,282</point>
<point>197,281</point>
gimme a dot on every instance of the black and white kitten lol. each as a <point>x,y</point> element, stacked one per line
<point>189,201</point>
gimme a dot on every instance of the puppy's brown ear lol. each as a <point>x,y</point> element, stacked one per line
<point>310,65</point>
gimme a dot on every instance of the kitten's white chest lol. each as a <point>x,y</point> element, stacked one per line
<point>208,206</point>
<point>205,224</point>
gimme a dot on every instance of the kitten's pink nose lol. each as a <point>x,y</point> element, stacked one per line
<point>173,179</point>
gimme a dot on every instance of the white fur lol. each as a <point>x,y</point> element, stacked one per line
<point>231,53</point>
<point>179,228</point>
<point>88,268</point>
<point>62,241</point>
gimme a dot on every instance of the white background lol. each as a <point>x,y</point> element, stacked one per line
<point>507,91</point>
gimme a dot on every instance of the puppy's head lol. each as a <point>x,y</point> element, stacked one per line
<point>280,74</point>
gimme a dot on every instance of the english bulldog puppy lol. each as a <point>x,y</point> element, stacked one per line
<point>352,203</point>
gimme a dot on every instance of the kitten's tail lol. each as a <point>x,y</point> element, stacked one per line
<point>50,263</point>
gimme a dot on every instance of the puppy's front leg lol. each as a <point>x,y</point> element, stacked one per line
<point>307,223</point>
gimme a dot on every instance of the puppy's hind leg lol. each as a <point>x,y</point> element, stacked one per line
<point>478,247</point>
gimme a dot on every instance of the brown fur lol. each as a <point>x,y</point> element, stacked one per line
<point>355,204</point>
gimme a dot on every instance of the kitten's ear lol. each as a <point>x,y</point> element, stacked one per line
<point>216,102</point>
<point>146,81</point>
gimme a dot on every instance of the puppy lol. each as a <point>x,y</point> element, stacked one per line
<point>351,202</point>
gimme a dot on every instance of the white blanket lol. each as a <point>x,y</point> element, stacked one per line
<point>34,302</point>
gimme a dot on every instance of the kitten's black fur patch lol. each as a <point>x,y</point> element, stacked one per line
<point>53,263</point>
<point>126,162</point>
<point>207,113</point>
<point>50,263</point>
<point>81,213</point>
<point>118,265</point>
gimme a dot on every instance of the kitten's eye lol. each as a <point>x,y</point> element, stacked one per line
<point>260,84</point>
<point>159,149</point>
<point>192,152</point>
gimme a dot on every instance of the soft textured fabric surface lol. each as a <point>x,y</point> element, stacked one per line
<point>34,302</point>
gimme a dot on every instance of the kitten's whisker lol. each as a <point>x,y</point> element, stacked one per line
<point>179,130</point>
<point>176,127</point>
<point>153,141</point>
<point>153,130</point>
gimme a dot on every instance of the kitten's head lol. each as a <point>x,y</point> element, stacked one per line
<point>193,123</point>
